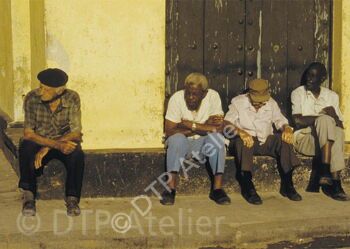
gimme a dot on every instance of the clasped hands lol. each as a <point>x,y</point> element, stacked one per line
<point>330,111</point>
<point>66,147</point>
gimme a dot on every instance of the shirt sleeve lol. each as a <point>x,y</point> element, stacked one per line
<point>75,115</point>
<point>336,106</point>
<point>232,114</point>
<point>296,103</point>
<point>29,113</point>
<point>278,118</point>
<point>215,105</point>
<point>173,113</point>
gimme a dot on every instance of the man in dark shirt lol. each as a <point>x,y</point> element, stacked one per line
<point>52,130</point>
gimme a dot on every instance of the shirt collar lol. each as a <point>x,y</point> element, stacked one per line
<point>64,100</point>
<point>321,96</point>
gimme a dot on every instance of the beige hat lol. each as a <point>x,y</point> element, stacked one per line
<point>259,90</point>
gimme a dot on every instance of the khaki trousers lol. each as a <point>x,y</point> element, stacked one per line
<point>310,140</point>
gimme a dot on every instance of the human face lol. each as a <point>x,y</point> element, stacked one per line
<point>47,93</point>
<point>313,79</point>
<point>193,96</point>
<point>256,105</point>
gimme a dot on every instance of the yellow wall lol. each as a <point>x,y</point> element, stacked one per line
<point>6,86</point>
<point>113,51</point>
<point>114,54</point>
<point>341,58</point>
<point>21,54</point>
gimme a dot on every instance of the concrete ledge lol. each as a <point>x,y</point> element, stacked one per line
<point>128,172</point>
<point>239,225</point>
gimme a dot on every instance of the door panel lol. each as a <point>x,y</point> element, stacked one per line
<point>190,38</point>
<point>234,41</point>
<point>322,33</point>
<point>235,48</point>
<point>223,47</point>
<point>252,35</point>
<point>274,48</point>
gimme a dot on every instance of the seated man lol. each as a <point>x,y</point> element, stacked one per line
<point>320,133</point>
<point>251,117</point>
<point>52,130</point>
<point>193,116</point>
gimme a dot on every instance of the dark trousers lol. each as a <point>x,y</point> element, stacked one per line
<point>274,147</point>
<point>74,164</point>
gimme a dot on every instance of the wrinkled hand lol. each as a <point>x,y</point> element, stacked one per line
<point>215,120</point>
<point>39,156</point>
<point>66,147</point>
<point>247,139</point>
<point>287,135</point>
<point>185,124</point>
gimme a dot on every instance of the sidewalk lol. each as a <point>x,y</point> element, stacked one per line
<point>193,222</point>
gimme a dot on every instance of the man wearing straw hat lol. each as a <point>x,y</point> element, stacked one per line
<point>252,116</point>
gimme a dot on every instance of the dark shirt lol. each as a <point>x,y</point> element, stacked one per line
<point>65,119</point>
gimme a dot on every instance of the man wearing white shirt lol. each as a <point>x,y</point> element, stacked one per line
<point>193,117</point>
<point>320,133</point>
<point>252,117</point>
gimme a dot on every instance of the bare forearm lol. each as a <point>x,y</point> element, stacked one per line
<point>201,129</point>
<point>73,136</point>
<point>304,121</point>
<point>186,132</point>
<point>43,141</point>
<point>204,129</point>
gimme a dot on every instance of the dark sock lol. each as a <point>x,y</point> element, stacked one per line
<point>325,170</point>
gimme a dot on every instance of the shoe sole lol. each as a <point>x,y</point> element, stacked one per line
<point>167,203</point>
<point>285,195</point>
<point>28,213</point>
<point>253,203</point>
<point>220,203</point>
<point>72,214</point>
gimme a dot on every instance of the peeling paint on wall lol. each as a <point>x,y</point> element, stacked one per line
<point>219,5</point>
<point>258,54</point>
<point>114,53</point>
<point>56,53</point>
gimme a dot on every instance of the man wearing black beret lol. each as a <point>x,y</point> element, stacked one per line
<point>52,130</point>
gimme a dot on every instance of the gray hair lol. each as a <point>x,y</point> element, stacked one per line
<point>60,90</point>
<point>197,79</point>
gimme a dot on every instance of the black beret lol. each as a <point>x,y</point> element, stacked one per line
<point>53,77</point>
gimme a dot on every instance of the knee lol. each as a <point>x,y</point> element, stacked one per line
<point>217,140</point>
<point>177,139</point>
<point>324,120</point>
<point>28,148</point>
<point>237,146</point>
<point>78,153</point>
<point>279,142</point>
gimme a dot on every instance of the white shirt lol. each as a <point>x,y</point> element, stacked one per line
<point>243,115</point>
<point>177,108</point>
<point>305,103</point>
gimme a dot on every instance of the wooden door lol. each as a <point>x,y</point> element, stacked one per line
<point>234,41</point>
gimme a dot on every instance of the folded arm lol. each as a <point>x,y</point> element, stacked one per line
<point>213,124</point>
<point>301,121</point>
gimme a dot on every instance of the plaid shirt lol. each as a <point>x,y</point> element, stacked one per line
<point>44,122</point>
